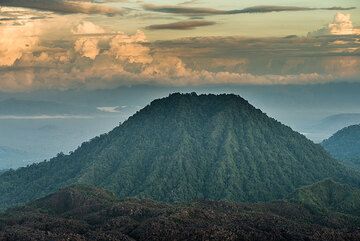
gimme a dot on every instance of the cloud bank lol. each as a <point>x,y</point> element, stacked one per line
<point>64,6</point>
<point>176,9</point>
<point>92,56</point>
<point>183,25</point>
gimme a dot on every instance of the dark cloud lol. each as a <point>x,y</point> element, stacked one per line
<point>183,25</point>
<point>7,19</point>
<point>211,11</point>
<point>64,6</point>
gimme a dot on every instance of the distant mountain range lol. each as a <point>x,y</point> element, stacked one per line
<point>345,145</point>
<point>13,158</point>
<point>87,213</point>
<point>19,107</point>
<point>333,123</point>
<point>186,147</point>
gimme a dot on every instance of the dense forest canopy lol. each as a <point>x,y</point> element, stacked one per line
<point>86,213</point>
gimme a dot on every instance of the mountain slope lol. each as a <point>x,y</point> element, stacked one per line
<point>186,147</point>
<point>79,213</point>
<point>345,145</point>
<point>329,195</point>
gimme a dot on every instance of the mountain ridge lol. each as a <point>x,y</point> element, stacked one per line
<point>185,147</point>
<point>344,145</point>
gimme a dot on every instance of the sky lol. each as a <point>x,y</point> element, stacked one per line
<point>104,44</point>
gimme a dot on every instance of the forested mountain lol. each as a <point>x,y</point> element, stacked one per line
<point>345,145</point>
<point>186,147</point>
<point>85,213</point>
<point>329,195</point>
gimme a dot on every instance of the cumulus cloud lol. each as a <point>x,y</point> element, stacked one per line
<point>341,25</point>
<point>130,48</point>
<point>15,41</point>
<point>176,9</point>
<point>87,46</point>
<point>182,25</point>
<point>64,6</point>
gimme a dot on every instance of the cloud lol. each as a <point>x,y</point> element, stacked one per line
<point>341,25</point>
<point>109,109</point>
<point>182,25</point>
<point>87,46</point>
<point>130,48</point>
<point>86,27</point>
<point>176,9</point>
<point>17,40</point>
<point>64,6</point>
<point>92,56</point>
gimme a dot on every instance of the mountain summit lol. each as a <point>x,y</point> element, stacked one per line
<point>345,145</point>
<point>185,147</point>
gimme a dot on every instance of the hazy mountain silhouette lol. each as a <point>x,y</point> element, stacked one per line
<point>345,145</point>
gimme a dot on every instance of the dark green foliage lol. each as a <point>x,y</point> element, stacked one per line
<point>330,195</point>
<point>2,171</point>
<point>345,145</point>
<point>93,218</point>
<point>186,147</point>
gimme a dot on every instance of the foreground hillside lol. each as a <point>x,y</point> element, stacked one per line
<point>345,145</point>
<point>84,213</point>
<point>186,147</point>
<point>330,196</point>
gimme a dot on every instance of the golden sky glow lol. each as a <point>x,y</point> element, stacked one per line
<point>81,44</point>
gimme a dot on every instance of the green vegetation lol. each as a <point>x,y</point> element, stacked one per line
<point>79,213</point>
<point>345,145</point>
<point>186,147</point>
<point>331,196</point>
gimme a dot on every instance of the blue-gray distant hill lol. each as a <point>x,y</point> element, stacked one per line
<point>13,158</point>
<point>23,107</point>
<point>345,145</point>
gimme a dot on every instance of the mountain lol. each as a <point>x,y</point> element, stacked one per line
<point>330,124</point>
<point>186,147</point>
<point>345,145</point>
<point>13,158</point>
<point>86,213</point>
<point>329,195</point>
<point>20,107</point>
<point>3,170</point>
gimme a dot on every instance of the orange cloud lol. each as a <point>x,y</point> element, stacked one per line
<point>341,25</point>
<point>15,41</point>
<point>90,56</point>
<point>130,48</point>
<point>87,46</point>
